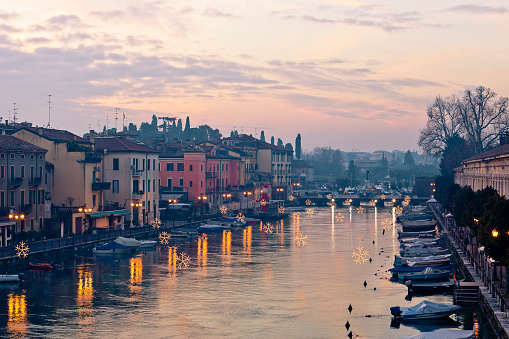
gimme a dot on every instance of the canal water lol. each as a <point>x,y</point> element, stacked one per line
<point>296,282</point>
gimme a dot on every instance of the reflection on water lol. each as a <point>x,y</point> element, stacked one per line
<point>17,315</point>
<point>241,283</point>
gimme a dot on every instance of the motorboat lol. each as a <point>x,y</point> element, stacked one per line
<point>424,310</point>
<point>419,243</point>
<point>423,251</point>
<point>444,334</point>
<point>396,270</point>
<point>427,288</point>
<point>114,247</point>
<point>7,278</point>
<point>251,221</point>
<point>429,273</point>
<point>131,242</point>
<point>418,226</point>
<point>402,234</point>
<point>422,239</point>
<point>432,260</point>
<point>147,243</point>
<point>44,266</point>
<point>211,228</point>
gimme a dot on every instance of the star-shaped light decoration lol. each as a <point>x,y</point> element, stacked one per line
<point>387,224</point>
<point>291,198</point>
<point>340,217</point>
<point>281,210</point>
<point>156,223</point>
<point>360,255</point>
<point>240,218</point>
<point>360,210</point>
<point>383,196</point>
<point>329,196</point>
<point>223,209</point>
<point>308,202</point>
<point>372,203</point>
<point>268,228</point>
<point>164,238</point>
<point>263,202</point>
<point>309,212</point>
<point>347,202</point>
<point>333,204</point>
<point>301,239</point>
<point>398,210</point>
<point>183,261</point>
<point>22,250</point>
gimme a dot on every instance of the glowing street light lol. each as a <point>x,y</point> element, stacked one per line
<point>494,233</point>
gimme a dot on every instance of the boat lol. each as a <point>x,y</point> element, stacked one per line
<point>444,334</point>
<point>114,248</point>
<point>424,310</point>
<point>131,242</point>
<point>429,288</point>
<point>432,260</point>
<point>147,243</point>
<point>44,266</point>
<point>419,243</point>
<point>211,228</point>
<point>402,234</point>
<point>250,221</point>
<point>396,270</point>
<point>423,251</point>
<point>6,278</point>
<point>418,226</point>
<point>429,273</point>
<point>422,239</point>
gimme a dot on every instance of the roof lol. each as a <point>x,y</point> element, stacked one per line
<point>121,145</point>
<point>492,153</point>
<point>57,135</point>
<point>10,143</point>
<point>177,150</point>
<point>259,144</point>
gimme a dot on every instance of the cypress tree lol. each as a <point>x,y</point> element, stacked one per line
<point>262,136</point>
<point>298,148</point>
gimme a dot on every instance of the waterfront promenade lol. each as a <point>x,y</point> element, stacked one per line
<point>478,268</point>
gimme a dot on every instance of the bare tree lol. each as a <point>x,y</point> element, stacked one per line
<point>483,117</point>
<point>443,124</point>
<point>479,117</point>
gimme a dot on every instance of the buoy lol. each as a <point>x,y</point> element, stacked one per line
<point>350,335</point>
<point>365,284</point>
<point>374,288</point>
<point>373,242</point>
<point>370,260</point>
<point>350,308</point>
<point>347,325</point>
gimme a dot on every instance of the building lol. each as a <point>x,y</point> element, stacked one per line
<point>132,169</point>
<point>490,168</point>
<point>22,188</point>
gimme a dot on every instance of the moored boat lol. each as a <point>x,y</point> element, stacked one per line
<point>211,228</point>
<point>147,243</point>
<point>44,266</point>
<point>423,251</point>
<point>6,278</point>
<point>426,288</point>
<point>429,273</point>
<point>424,310</point>
<point>251,221</point>
<point>114,248</point>
<point>396,270</point>
<point>444,334</point>
<point>434,260</point>
<point>402,234</point>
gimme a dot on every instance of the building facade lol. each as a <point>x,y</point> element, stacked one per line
<point>22,188</point>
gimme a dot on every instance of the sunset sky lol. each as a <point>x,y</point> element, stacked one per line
<point>342,73</point>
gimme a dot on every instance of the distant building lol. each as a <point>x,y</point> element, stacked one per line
<point>424,187</point>
<point>22,188</point>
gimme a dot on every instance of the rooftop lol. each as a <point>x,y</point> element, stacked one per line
<point>10,143</point>
<point>492,153</point>
<point>121,145</point>
<point>55,134</point>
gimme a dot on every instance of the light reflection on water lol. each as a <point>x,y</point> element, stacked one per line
<point>240,283</point>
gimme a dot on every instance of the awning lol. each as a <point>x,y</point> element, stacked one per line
<point>104,214</point>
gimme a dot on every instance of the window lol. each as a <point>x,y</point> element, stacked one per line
<point>22,197</point>
<point>190,168</point>
<point>218,167</point>
<point>31,172</point>
<point>170,184</point>
<point>12,155</point>
<point>12,199</point>
<point>115,188</point>
<point>40,196</point>
<point>191,183</point>
<point>181,182</point>
<point>94,200</point>
<point>40,171</point>
<point>154,185</point>
<point>154,164</point>
<point>136,186</point>
<point>31,197</point>
<point>2,156</point>
<point>148,185</point>
<point>226,167</point>
<point>143,185</point>
<point>2,172</point>
<point>148,165</point>
<point>116,164</point>
<point>169,167</point>
<point>180,167</point>
<point>31,157</point>
<point>32,224</point>
<point>142,164</point>
<point>201,168</point>
<point>40,223</point>
<point>40,157</point>
<point>2,199</point>
<point>22,174</point>
<point>222,167</point>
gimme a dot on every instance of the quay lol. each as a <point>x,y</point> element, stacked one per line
<point>478,270</point>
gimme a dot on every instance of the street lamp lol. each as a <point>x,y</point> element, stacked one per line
<point>16,217</point>
<point>173,202</point>
<point>494,233</point>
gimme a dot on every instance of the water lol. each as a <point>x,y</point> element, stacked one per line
<point>239,284</point>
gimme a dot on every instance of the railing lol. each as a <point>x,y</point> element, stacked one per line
<point>137,173</point>
<point>101,185</point>
<point>16,182</point>
<point>36,181</point>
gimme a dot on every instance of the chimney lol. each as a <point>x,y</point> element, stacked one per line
<point>92,136</point>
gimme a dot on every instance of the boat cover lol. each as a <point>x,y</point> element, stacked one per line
<point>417,268</point>
<point>444,334</point>
<point>130,242</point>
<point>111,245</point>
<point>426,307</point>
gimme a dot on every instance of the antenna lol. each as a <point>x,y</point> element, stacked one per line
<point>49,110</point>
<point>98,126</point>
<point>14,114</point>
<point>116,118</point>
<point>123,121</point>
<point>107,123</point>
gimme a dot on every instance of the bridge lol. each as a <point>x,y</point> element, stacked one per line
<point>357,199</point>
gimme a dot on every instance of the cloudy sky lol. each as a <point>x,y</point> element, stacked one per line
<point>343,73</point>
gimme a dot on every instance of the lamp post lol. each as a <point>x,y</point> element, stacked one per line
<point>135,208</point>
<point>202,199</point>
<point>173,202</point>
<point>16,217</point>
<point>85,220</point>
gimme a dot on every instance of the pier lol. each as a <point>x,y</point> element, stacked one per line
<point>478,271</point>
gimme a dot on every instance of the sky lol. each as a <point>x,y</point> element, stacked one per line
<point>352,75</point>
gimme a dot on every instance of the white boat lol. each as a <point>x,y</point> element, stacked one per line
<point>429,273</point>
<point>432,260</point>
<point>423,251</point>
<point>131,242</point>
<point>147,243</point>
<point>12,277</point>
<point>402,234</point>
<point>114,248</point>
<point>444,334</point>
<point>424,310</point>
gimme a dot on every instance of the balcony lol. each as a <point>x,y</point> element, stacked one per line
<point>137,195</point>
<point>16,182</point>
<point>26,209</point>
<point>93,158</point>
<point>211,175</point>
<point>36,181</point>
<point>4,212</point>
<point>137,173</point>
<point>101,186</point>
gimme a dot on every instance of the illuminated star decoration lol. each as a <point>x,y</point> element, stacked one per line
<point>223,209</point>
<point>300,239</point>
<point>22,250</point>
<point>156,223</point>
<point>406,202</point>
<point>268,228</point>
<point>240,218</point>
<point>291,197</point>
<point>383,196</point>
<point>309,212</point>
<point>329,196</point>
<point>360,255</point>
<point>263,202</point>
<point>183,261</point>
<point>308,202</point>
<point>372,203</point>
<point>360,210</point>
<point>398,210</point>
<point>387,224</point>
<point>164,238</point>
<point>347,202</point>
<point>281,210</point>
<point>340,217</point>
